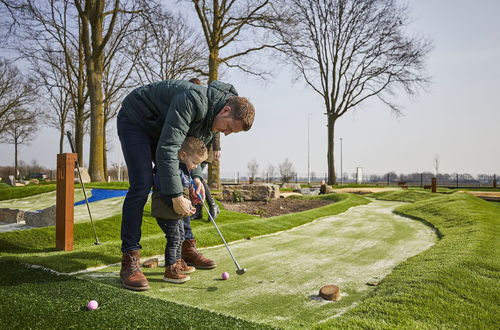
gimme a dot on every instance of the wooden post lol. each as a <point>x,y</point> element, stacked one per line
<point>65,200</point>
<point>434,184</point>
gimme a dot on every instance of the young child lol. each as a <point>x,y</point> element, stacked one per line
<point>191,153</point>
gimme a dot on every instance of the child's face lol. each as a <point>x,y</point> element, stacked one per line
<point>191,161</point>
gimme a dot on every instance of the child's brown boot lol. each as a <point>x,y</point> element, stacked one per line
<point>185,268</point>
<point>174,274</point>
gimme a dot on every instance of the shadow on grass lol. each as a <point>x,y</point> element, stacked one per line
<point>8,246</point>
<point>72,261</point>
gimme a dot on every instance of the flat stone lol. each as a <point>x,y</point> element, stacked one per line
<point>307,191</point>
<point>291,185</point>
<point>43,218</point>
<point>11,215</point>
<point>330,292</point>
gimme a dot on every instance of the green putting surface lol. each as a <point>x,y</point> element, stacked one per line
<point>287,269</point>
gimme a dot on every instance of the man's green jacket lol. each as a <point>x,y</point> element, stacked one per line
<point>169,111</point>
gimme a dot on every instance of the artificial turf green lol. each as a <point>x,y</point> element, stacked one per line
<point>410,195</point>
<point>107,185</point>
<point>37,299</point>
<point>37,246</point>
<point>25,191</point>
<point>454,284</point>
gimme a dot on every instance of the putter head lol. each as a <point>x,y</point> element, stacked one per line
<point>241,271</point>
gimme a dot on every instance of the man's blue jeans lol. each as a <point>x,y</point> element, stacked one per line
<point>138,151</point>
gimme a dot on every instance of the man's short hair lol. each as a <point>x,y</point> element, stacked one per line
<point>195,81</point>
<point>193,145</point>
<point>242,109</point>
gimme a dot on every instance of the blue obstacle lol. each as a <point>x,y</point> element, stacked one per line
<point>100,194</point>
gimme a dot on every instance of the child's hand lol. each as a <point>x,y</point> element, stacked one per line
<point>193,196</point>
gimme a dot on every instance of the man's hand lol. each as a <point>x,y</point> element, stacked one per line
<point>182,206</point>
<point>217,154</point>
<point>200,189</point>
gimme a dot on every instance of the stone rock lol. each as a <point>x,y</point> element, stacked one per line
<point>329,189</point>
<point>307,191</point>
<point>291,185</point>
<point>34,181</point>
<point>85,175</point>
<point>252,192</point>
<point>11,181</point>
<point>43,218</point>
<point>330,292</point>
<point>11,215</point>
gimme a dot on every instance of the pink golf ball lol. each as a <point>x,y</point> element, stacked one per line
<point>225,276</point>
<point>91,305</point>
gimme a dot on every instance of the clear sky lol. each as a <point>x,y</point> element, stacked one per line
<point>457,119</point>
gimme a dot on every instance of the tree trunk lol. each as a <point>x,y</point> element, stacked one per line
<point>332,179</point>
<point>96,165</point>
<point>61,139</point>
<point>15,160</point>
<point>105,153</point>
<point>79,134</point>
<point>95,65</point>
<point>213,74</point>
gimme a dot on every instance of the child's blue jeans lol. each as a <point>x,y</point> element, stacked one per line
<point>174,233</point>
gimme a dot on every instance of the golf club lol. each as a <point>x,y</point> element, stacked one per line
<point>68,133</point>
<point>239,271</point>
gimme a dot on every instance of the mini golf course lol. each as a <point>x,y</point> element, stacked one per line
<point>438,270</point>
<point>287,269</point>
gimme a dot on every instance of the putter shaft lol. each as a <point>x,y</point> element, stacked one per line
<point>221,236</point>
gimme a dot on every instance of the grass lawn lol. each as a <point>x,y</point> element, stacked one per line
<point>454,284</point>
<point>9,192</point>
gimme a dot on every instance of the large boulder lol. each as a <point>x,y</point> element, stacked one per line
<point>251,192</point>
<point>11,180</point>
<point>307,191</point>
<point>43,218</point>
<point>85,175</point>
<point>290,185</point>
<point>11,215</point>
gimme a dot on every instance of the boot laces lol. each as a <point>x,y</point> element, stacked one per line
<point>134,265</point>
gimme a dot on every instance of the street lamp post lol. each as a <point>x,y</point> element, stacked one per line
<point>308,150</point>
<point>341,176</point>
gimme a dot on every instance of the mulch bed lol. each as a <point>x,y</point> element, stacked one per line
<point>275,207</point>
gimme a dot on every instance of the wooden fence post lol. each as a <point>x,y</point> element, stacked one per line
<point>65,200</point>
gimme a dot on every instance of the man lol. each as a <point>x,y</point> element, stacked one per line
<point>152,124</point>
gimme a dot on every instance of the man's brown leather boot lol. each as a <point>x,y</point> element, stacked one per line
<point>194,258</point>
<point>131,276</point>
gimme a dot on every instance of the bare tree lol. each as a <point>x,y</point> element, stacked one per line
<point>21,129</point>
<point>287,170</point>
<point>16,92</point>
<point>50,40</point>
<point>253,168</point>
<point>167,48</point>
<point>435,162</point>
<point>233,31</point>
<point>98,22</point>
<point>349,51</point>
<point>270,172</point>
<point>53,85</point>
